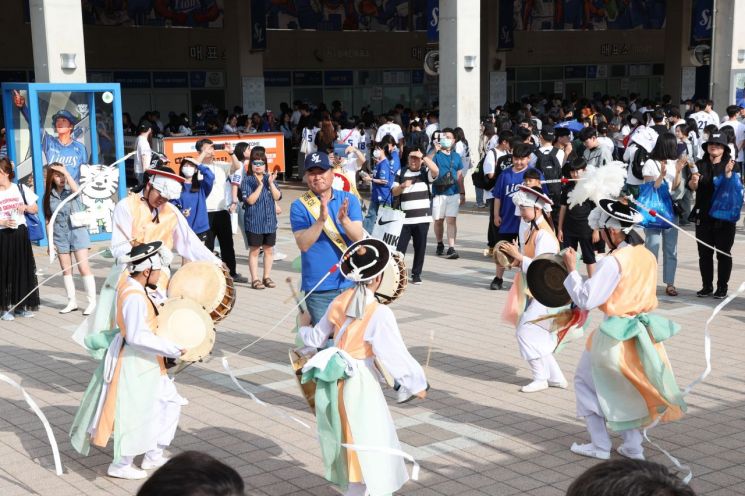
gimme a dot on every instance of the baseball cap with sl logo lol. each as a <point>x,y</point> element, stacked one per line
<point>317,160</point>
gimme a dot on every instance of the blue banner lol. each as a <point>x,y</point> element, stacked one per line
<point>433,21</point>
<point>258,25</point>
<point>506,40</point>
<point>702,18</point>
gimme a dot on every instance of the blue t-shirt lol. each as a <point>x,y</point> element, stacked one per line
<point>507,184</point>
<point>324,253</point>
<point>381,193</point>
<point>71,155</point>
<point>447,163</point>
<point>396,159</point>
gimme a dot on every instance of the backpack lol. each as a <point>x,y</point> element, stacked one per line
<point>637,162</point>
<point>479,178</point>
<point>548,164</point>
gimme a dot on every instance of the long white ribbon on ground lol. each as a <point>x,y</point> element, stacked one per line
<point>32,404</point>
<point>388,451</point>
<point>699,379</point>
<point>256,399</point>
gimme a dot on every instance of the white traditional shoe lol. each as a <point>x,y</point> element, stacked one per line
<point>181,400</point>
<point>534,387</point>
<point>403,395</point>
<point>560,385</point>
<point>148,464</point>
<point>623,451</point>
<point>127,472</point>
<point>590,451</point>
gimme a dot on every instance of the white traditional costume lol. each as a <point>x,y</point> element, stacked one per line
<point>624,377</point>
<point>535,340</point>
<point>130,396</point>
<point>350,406</point>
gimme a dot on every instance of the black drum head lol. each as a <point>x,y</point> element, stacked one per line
<point>545,279</point>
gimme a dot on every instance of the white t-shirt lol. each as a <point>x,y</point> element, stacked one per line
<point>490,165</point>
<point>703,119</point>
<point>465,155</point>
<point>143,151</point>
<point>11,200</point>
<point>309,135</point>
<point>493,142</point>
<point>389,128</point>
<point>222,192</point>
<point>351,137</point>
<point>652,168</point>
<point>430,129</point>
<point>607,143</point>
<point>739,128</point>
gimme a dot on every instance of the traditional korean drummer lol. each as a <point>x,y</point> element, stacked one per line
<point>130,396</point>
<point>536,342</point>
<point>347,387</point>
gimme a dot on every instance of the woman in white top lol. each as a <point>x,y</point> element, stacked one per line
<point>231,125</point>
<point>664,169</point>
<point>17,265</point>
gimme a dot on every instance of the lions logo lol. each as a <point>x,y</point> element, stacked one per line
<point>99,195</point>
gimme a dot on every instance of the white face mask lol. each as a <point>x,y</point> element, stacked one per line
<point>188,171</point>
<point>446,143</point>
<point>377,153</point>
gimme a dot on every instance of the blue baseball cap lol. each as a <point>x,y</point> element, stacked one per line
<point>317,160</point>
<point>66,115</point>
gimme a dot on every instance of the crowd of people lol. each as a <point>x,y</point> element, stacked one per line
<point>527,168</point>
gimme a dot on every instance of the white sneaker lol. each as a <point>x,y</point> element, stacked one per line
<point>590,451</point>
<point>7,316</point>
<point>181,400</point>
<point>148,464</point>
<point>534,387</point>
<point>623,451</point>
<point>127,472</point>
<point>278,255</point>
<point>403,395</point>
<point>560,385</point>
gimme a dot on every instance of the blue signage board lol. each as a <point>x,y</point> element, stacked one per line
<point>307,78</point>
<point>338,78</point>
<point>171,79</point>
<point>133,79</point>
<point>277,78</point>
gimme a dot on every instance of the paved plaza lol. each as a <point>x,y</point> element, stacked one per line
<point>474,434</point>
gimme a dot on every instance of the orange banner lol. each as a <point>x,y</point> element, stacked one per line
<point>184,146</point>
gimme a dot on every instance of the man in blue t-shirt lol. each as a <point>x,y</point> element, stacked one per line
<point>318,252</point>
<point>505,220</point>
<point>63,148</point>
<point>450,194</point>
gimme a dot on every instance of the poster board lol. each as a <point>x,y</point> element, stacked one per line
<point>185,146</point>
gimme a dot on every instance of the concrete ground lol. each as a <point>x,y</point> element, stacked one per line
<point>474,434</point>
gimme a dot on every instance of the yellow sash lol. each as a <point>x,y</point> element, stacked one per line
<point>313,204</point>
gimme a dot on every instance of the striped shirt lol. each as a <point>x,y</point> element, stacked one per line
<point>261,217</point>
<point>415,200</point>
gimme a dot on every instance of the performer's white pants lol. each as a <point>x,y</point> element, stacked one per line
<point>356,489</point>
<point>546,368</point>
<point>588,407</point>
<point>126,461</point>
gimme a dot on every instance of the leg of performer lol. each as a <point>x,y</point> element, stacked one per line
<point>589,409</point>
<point>632,444</point>
<point>540,377</point>
<point>555,375</point>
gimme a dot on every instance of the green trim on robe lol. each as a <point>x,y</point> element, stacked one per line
<point>623,405</point>
<point>328,420</point>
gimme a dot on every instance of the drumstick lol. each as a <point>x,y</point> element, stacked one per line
<point>429,350</point>
<point>294,293</point>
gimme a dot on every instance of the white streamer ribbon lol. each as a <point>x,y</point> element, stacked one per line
<point>698,380</point>
<point>256,399</point>
<point>32,404</point>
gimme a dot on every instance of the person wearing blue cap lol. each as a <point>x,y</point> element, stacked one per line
<point>325,221</point>
<point>63,148</point>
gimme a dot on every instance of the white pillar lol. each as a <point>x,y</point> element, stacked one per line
<point>460,91</point>
<point>728,45</point>
<point>57,37</point>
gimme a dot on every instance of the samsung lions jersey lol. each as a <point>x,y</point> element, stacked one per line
<point>72,155</point>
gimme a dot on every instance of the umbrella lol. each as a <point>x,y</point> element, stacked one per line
<point>572,125</point>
